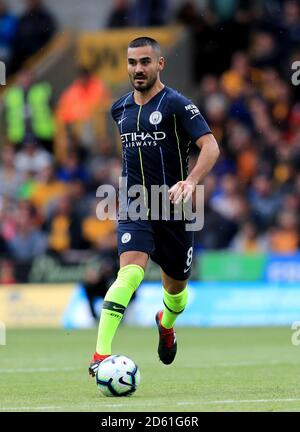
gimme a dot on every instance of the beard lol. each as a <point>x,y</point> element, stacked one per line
<point>146,85</point>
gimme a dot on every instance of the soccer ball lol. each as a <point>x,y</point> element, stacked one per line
<point>117,375</point>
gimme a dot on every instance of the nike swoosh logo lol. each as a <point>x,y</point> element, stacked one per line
<point>121,381</point>
<point>186,270</point>
<point>122,119</point>
<point>191,118</point>
<point>117,309</point>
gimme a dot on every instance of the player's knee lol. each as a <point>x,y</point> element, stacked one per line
<point>134,257</point>
<point>173,286</point>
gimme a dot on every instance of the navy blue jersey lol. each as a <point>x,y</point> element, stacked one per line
<point>156,137</point>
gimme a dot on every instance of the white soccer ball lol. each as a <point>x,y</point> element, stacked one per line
<point>118,375</point>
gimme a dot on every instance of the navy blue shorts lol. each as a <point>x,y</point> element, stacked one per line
<point>166,242</point>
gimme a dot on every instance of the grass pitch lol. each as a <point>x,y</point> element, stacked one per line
<point>243,369</point>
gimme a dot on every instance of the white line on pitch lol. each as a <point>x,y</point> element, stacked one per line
<point>120,405</point>
<point>243,363</point>
<point>34,370</point>
<point>112,405</point>
<point>123,405</point>
<point>239,401</point>
<point>66,369</point>
<point>29,408</point>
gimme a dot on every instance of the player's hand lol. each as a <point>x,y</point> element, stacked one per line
<point>181,191</point>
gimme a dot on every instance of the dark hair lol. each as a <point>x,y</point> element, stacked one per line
<point>145,41</point>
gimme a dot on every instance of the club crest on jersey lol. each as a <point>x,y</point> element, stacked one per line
<point>126,237</point>
<point>155,117</point>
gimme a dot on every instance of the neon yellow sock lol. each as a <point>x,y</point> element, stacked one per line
<point>114,305</point>
<point>174,305</point>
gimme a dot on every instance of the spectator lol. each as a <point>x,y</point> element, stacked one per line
<point>120,14</point>
<point>29,242</point>
<point>3,246</point>
<point>27,187</point>
<point>242,147</point>
<point>64,227</point>
<point>7,33</point>
<point>284,237</point>
<point>291,24</point>
<point>82,107</point>
<point>187,14</point>
<point>47,189</point>
<point>31,158</point>
<point>215,108</point>
<point>28,110</point>
<point>293,134</point>
<point>80,199</point>
<point>100,234</point>
<point>7,276</point>
<point>248,240</point>
<point>35,28</point>
<point>233,80</point>
<point>10,178</point>
<point>150,13</point>
<point>225,11</point>
<point>214,104</point>
<point>72,169</point>
<point>218,230</point>
<point>264,50</point>
<point>104,170</point>
<point>8,218</point>
<point>227,202</point>
<point>265,203</point>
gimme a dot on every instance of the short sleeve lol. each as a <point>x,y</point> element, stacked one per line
<point>189,116</point>
<point>113,111</point>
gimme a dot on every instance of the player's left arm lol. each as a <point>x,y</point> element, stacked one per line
<point>199,132</point>
<point>208,156</point>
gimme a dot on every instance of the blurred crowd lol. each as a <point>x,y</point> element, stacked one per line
<point>253,194</point>
<point>52,163</point>
<point>23,36</point>
<point>56,155</point>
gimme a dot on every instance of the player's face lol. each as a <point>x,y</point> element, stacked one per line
<point>144,65</point>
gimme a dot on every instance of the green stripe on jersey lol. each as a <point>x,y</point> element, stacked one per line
<point>140,153</point>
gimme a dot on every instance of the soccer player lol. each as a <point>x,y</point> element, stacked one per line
<point>156,125</point>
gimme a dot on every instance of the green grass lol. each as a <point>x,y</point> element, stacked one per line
<point>215,370</point>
